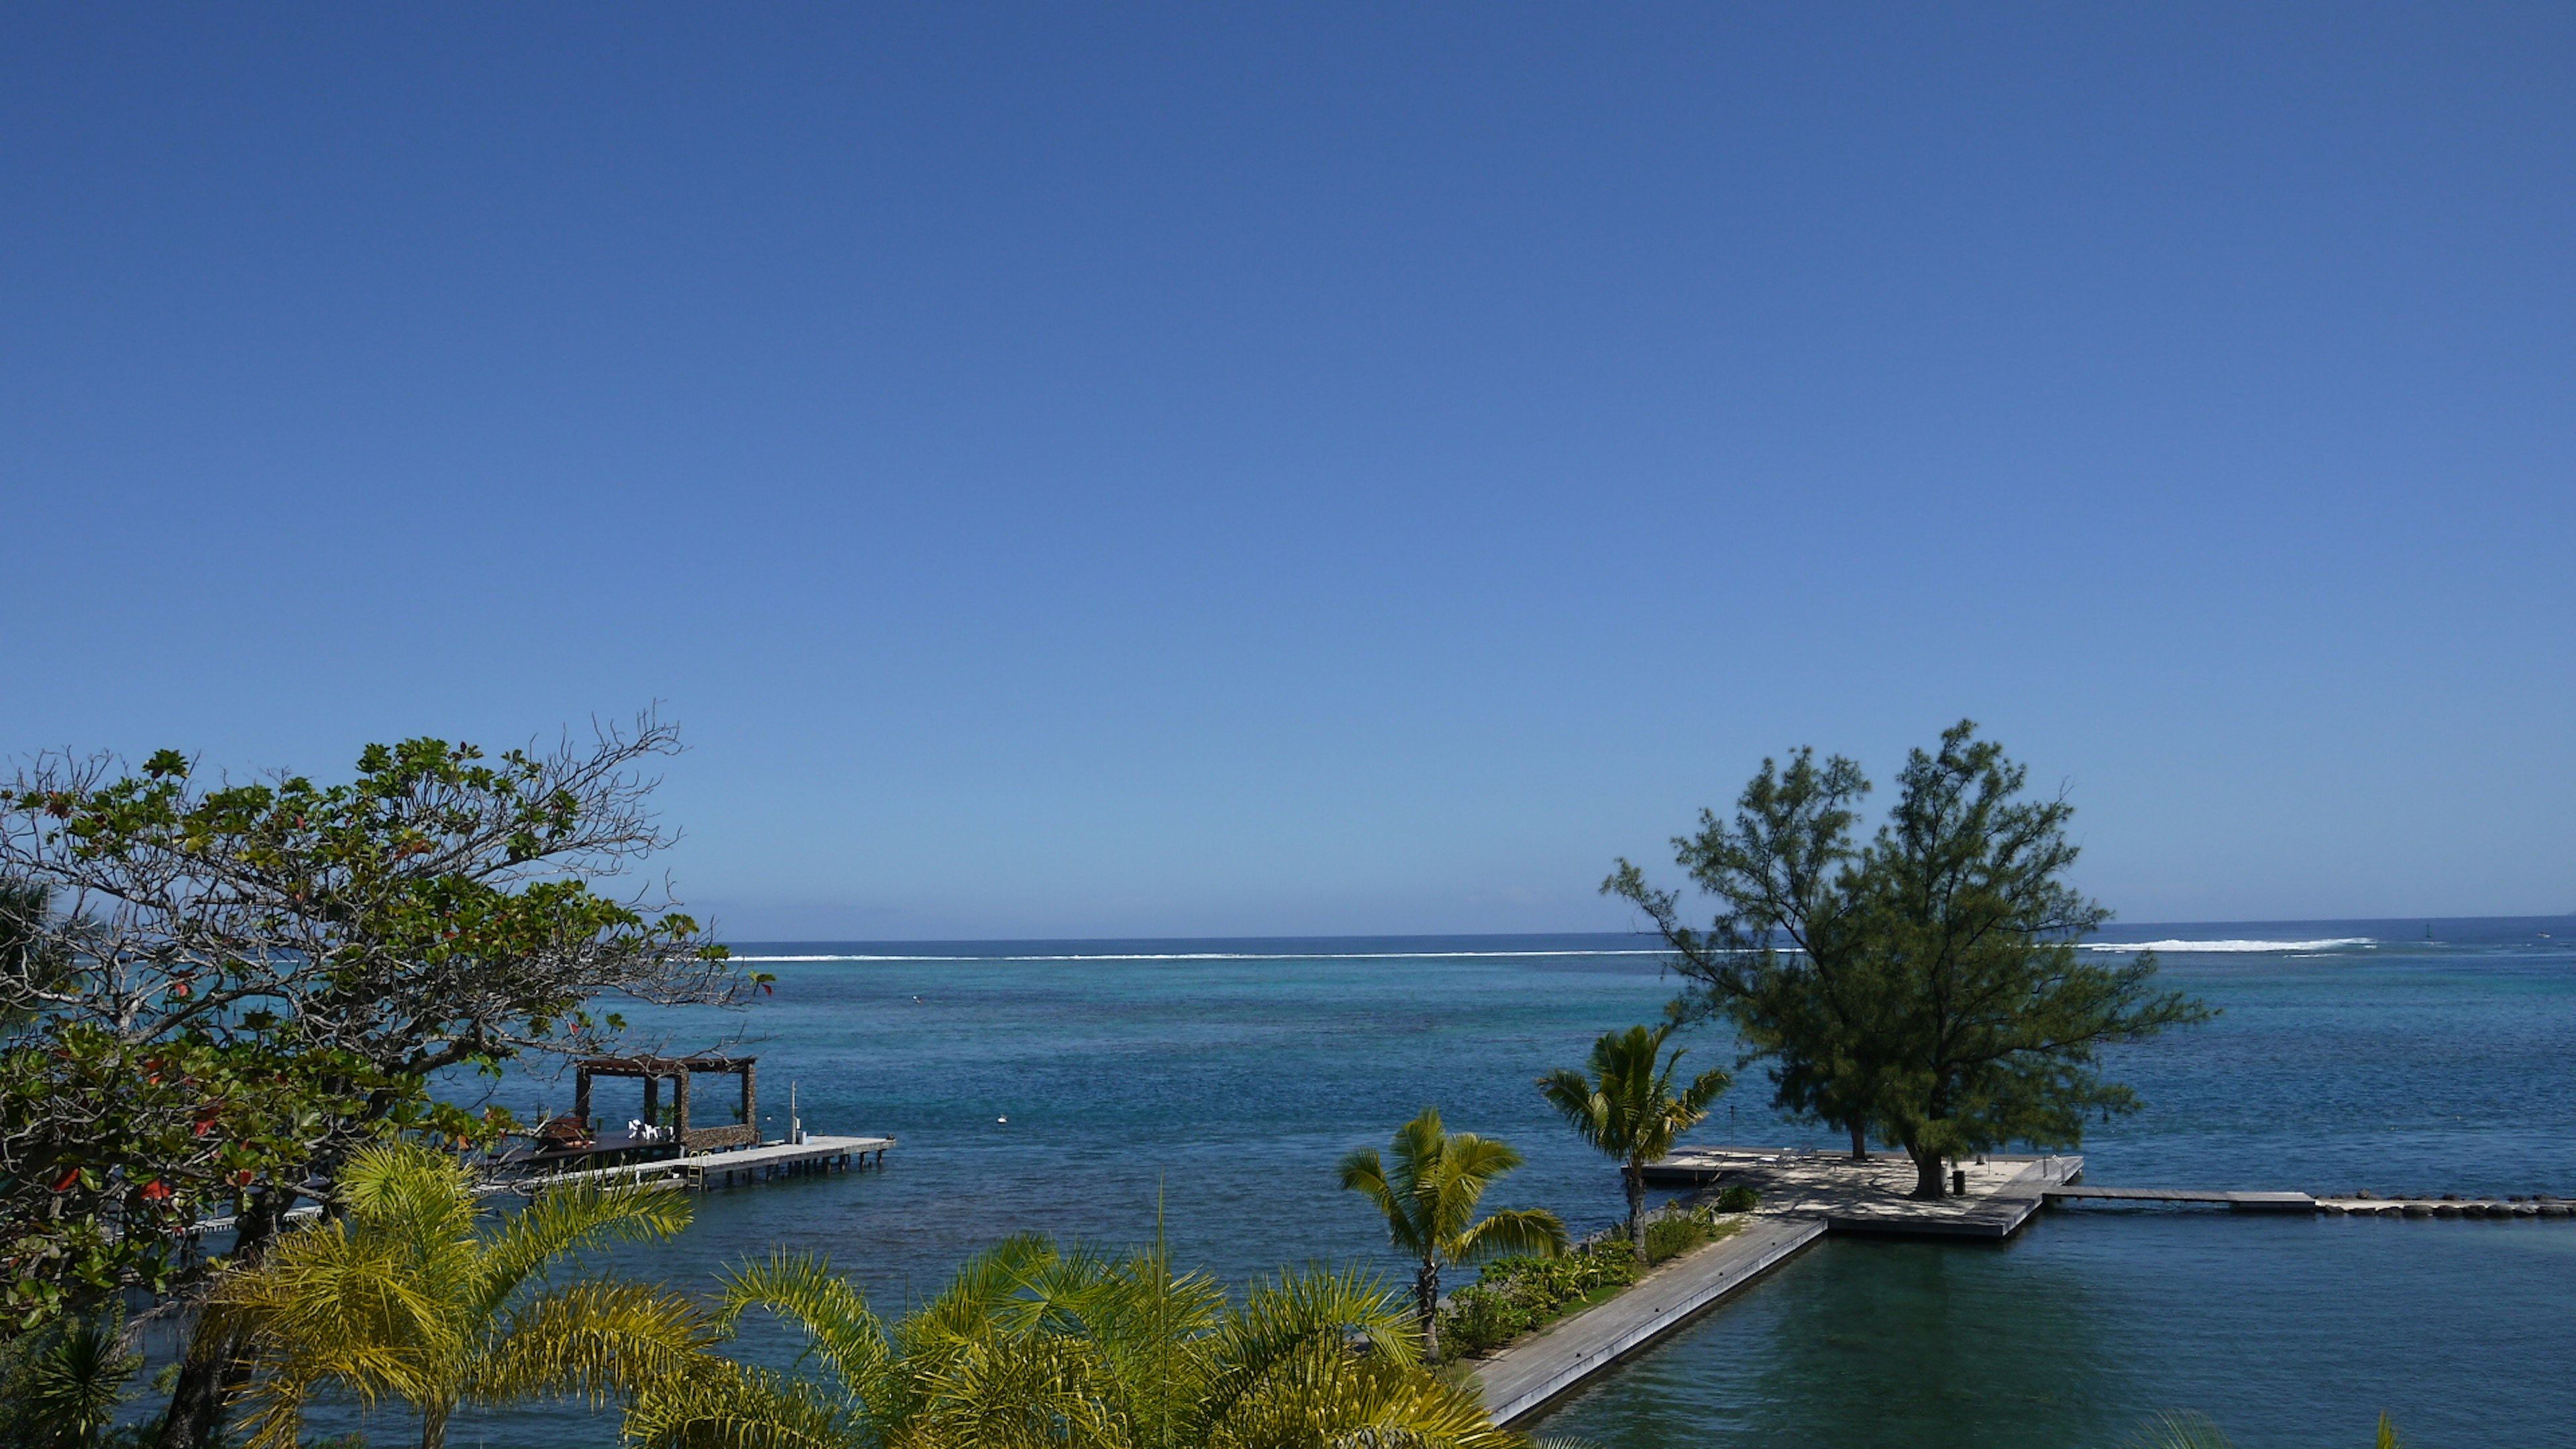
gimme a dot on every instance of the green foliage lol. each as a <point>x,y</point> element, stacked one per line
<point>411,1294</point>
<point>1514,1296</point>
<point>61,1385</point>
<point>1788,958</point>
<point>1032,1345</point>
<point>1629,1107</point>
<point>116,1148</point>
<point>1429,1197</point>
<point>1935,993</point>
<point>211,991</point>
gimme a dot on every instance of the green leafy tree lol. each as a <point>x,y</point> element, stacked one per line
<point>2000,1018</point>
<point>1429,1193</point>
<point>1032,1346</point>
<point>1629,1108</point>
<point>1787,962</point>
<point>114,1150</point>
<point>437,912</point>
<point>410,1293</point>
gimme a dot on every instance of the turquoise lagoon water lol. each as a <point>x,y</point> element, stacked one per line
<point>1223,1079</point>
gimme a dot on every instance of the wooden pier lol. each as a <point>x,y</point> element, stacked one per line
<point>707,1171</point>
<point>696,1172</point>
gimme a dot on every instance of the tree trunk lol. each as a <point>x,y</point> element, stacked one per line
<point>1930,1181</point>
<point>211,1370</point>
<point>1635,1175</point>
<point>1426,1297</point>
<point>433,1425</point>
<point>1860,1144</point>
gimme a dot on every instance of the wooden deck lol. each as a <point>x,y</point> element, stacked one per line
<point>705,1171</point>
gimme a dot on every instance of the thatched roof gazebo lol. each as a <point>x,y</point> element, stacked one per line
<point>677,1071</point>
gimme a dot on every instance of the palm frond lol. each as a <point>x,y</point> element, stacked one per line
<point>600,1338</point>
<point>718,1404</point>
<point>1283,1321</point>
<point>1326,1395</point>
<point>982,1291</point>
<point>1015,1391</point>
<point>1584,1109</point>
<point>839,1328</point>
<point>2179,1431</point>
<point>570,1220</point>
<point>1535,1232</point>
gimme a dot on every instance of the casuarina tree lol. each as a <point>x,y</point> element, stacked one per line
<point>2000,1018</point>
<point>1429,1192</point>
<point>1786,962</point>
<point>1932,983</point>
<point>1631,1109</point>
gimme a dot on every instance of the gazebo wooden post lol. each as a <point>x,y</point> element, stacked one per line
<point>680,1103</point>
<point>581,1097</point>
<point>652,1097</point>
<point>751,1099</point>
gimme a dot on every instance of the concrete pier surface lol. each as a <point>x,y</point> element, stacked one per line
<point>1876,1196</point>
<point>1802,1197</point>
<point>1520,1379</point>
<point>1806,1194</point>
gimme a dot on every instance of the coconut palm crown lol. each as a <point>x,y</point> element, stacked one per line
<point>410,1294</point>
<point>1628,1109</point>
<point>1036,1347</point>
<point>1429,1195</point>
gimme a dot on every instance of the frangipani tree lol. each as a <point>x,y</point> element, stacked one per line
<point>411,1295</point>
<point>1628,1107</point>
<point>1429,1195</point>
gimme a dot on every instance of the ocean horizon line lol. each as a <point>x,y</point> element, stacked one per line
<point>2164,937</point>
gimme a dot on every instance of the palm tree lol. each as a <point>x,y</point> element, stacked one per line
<point>1035,1346</point>
<point>1429,1199</point>
<point>1628,1109</point>
<point>408,1295</point>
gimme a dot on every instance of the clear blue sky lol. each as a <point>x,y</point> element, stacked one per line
<point>1217,469</point>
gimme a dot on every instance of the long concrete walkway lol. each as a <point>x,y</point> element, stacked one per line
<point>1521,1378</point>
<point>1803,1196</point>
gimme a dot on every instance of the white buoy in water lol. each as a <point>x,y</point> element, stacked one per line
<point>1005,1121</point>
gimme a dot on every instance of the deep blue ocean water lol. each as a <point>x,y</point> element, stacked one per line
<point>1223,1079</point>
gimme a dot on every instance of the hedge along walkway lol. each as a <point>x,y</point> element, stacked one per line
<point>1519,1380</point>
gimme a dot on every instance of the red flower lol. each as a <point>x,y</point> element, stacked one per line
<point>64,1183</point>
<point>156,1190</point>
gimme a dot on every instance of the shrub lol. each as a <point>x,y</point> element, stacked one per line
<point>1737,1199</point>
<point>1516,1295</point>
<point>1670,1237</point>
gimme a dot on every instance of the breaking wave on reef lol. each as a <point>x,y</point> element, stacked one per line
<point>2216,948</point>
